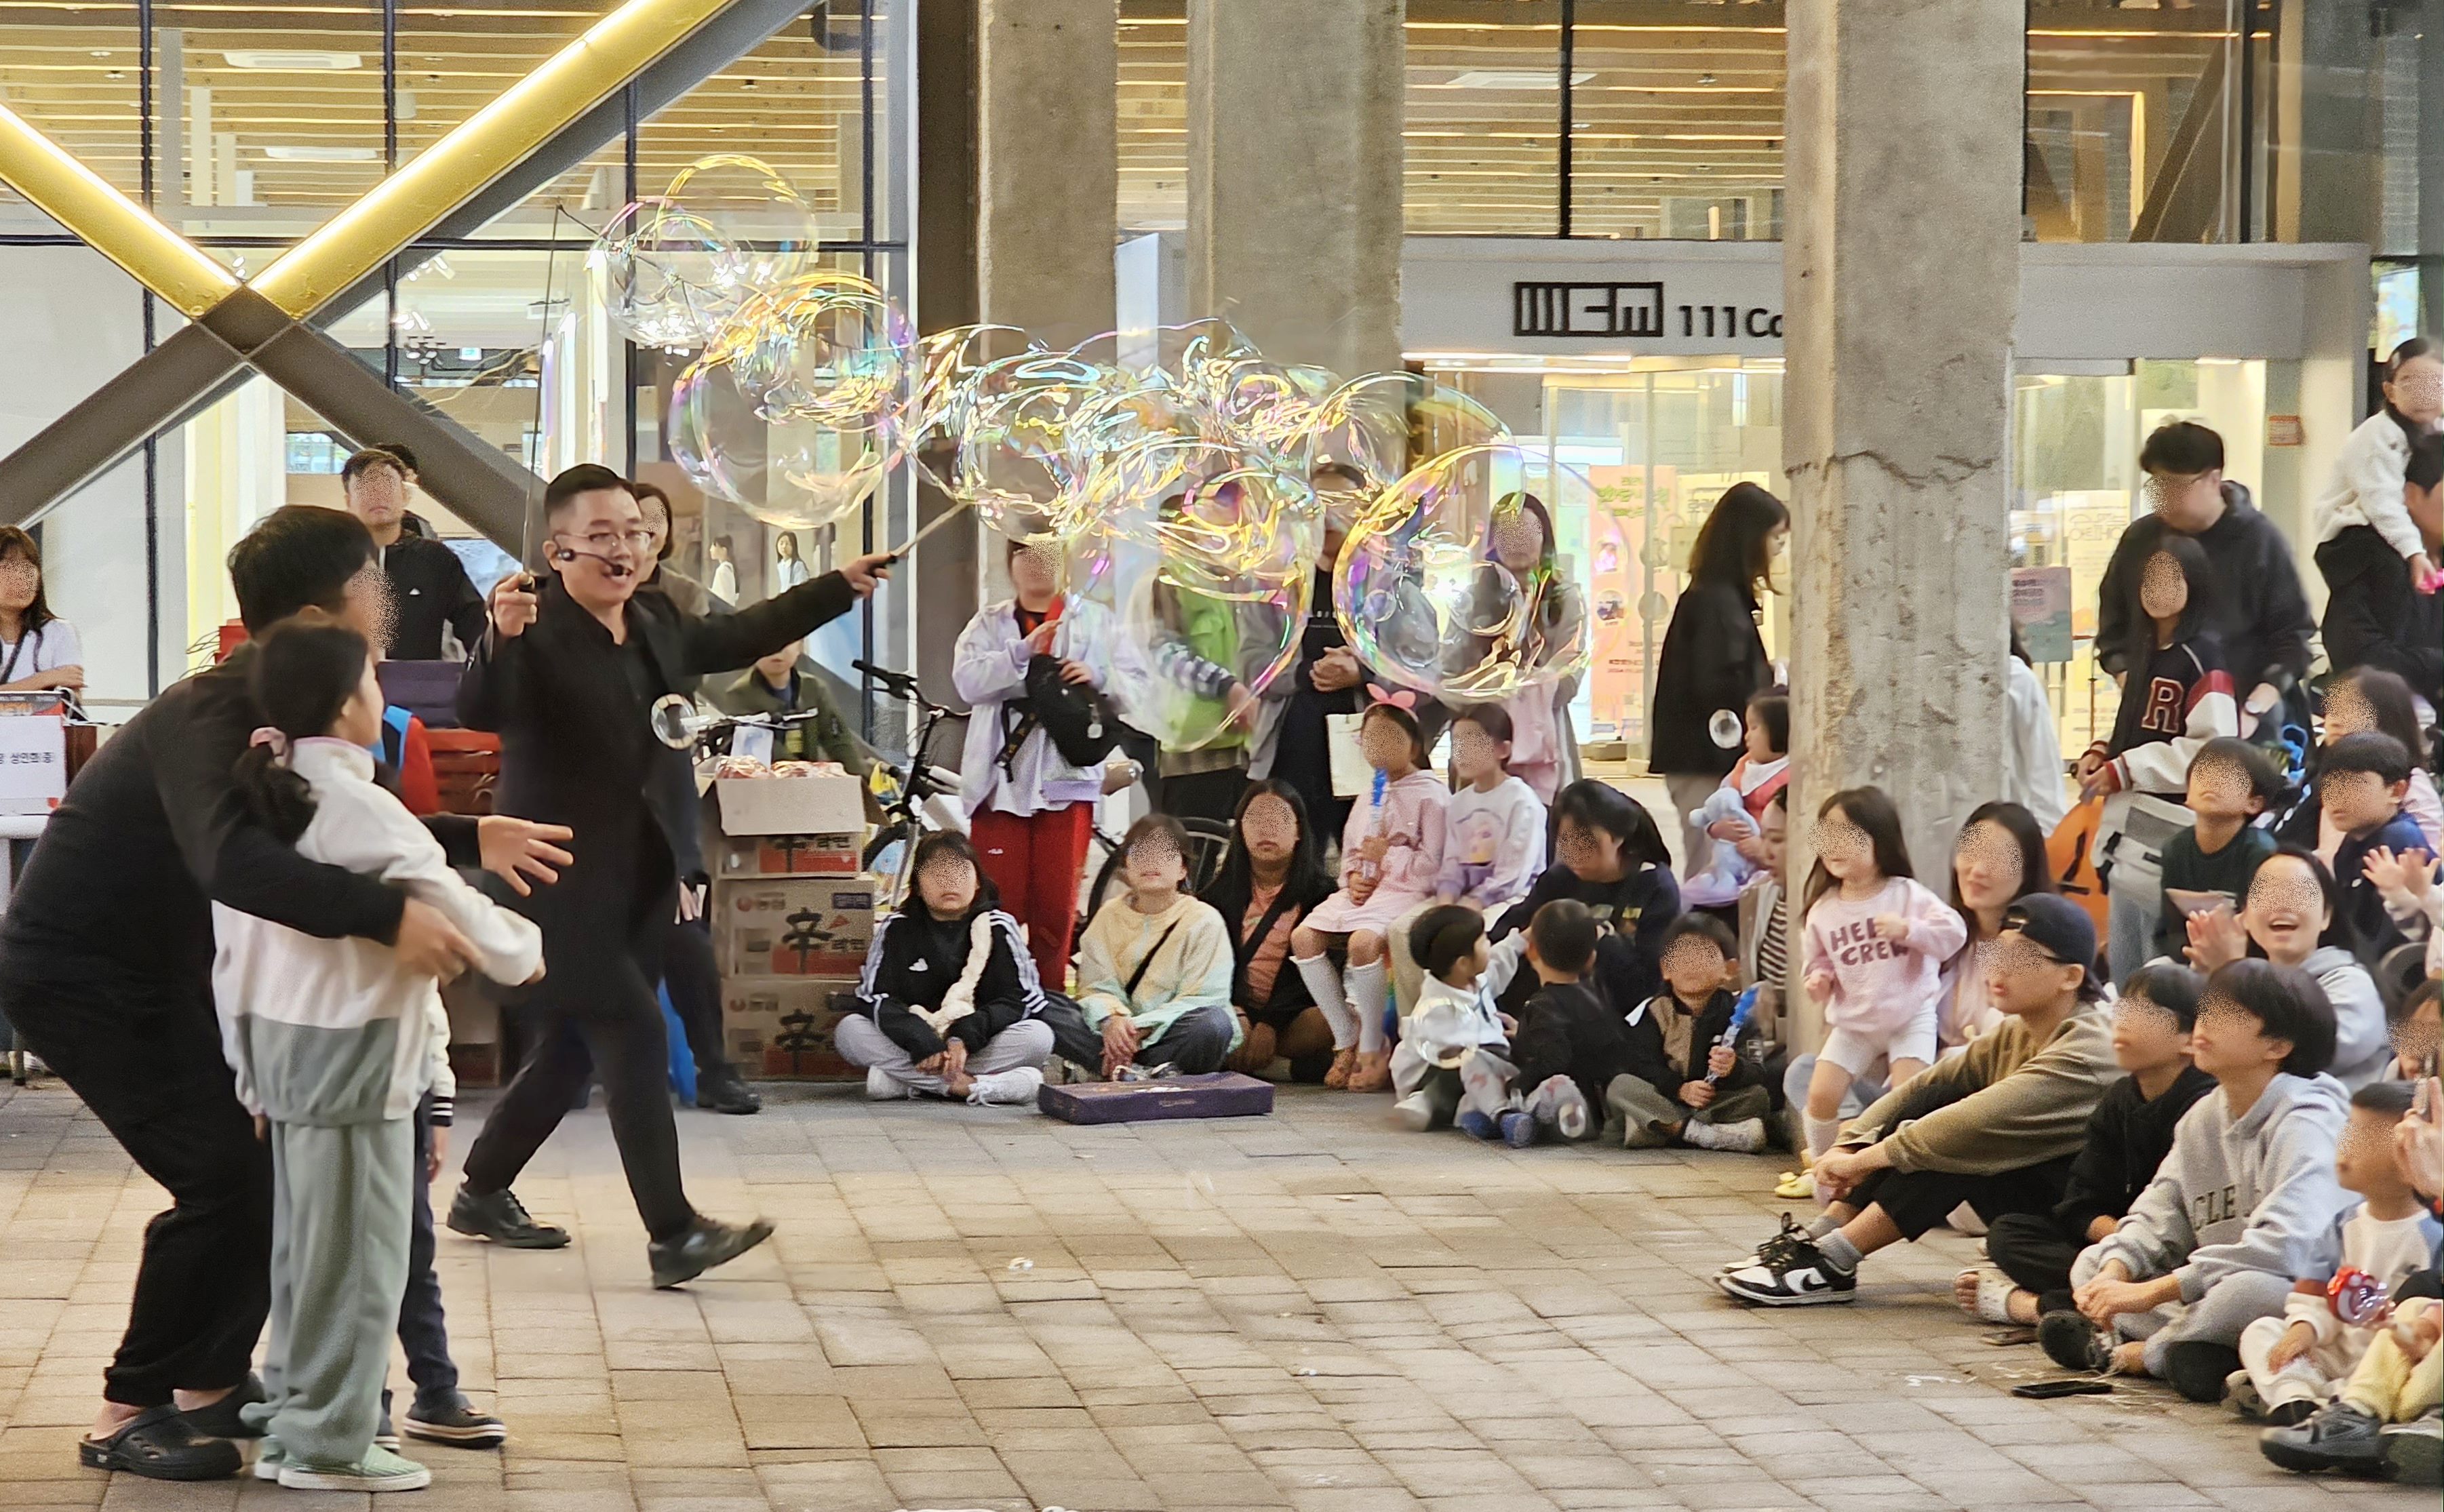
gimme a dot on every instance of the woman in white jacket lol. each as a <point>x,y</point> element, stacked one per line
<point>332,1043</point>
<point>2372,469</point>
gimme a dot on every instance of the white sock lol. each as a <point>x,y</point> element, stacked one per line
<point>1820,1133</point>
<point>1367,985</point>
<point>1323,983</point>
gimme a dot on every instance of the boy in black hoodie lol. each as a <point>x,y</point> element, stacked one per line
<point>953,1005</point>
<point>1568,1046</point>
<point>1687,1082</point>
<point>2127,1137</point>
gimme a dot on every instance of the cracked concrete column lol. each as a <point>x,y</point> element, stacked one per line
<point>1048,146</point>
<point>1294,176</point>
<point>1901,282</point>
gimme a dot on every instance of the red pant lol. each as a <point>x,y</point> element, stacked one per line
<point>1033,861</point>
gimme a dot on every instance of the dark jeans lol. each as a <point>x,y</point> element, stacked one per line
<point>2036,1251</point>
<point>422,1332</point>
<point>1195,1042</point>
<point>694,984</point>
<point>624,1044</point>
<point>145,1056</point>
<point>1204,795</point>
<point>1917,1201</point>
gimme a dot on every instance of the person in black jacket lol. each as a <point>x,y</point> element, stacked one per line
<point>1714,658</point>
<point>1686,1082</point>
<point>429,584</point>
<point>569,676</point>
<point>105,969</point>
<point>953,1006</point>
<point>2374,616</point>
<point>1568,1046</point>
<point>1271,874</point>
<point>2258,612</point>
<point>1610,858</point>
<point>2128,1136</point>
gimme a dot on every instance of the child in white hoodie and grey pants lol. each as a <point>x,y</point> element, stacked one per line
<point>2243,1204</point>
<point>333,1043</point>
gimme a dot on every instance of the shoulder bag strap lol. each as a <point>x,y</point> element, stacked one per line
<point>1146,963</point>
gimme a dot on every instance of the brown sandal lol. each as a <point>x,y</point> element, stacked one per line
<point>1344,1062</point>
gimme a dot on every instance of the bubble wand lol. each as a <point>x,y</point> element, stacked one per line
<point>1741,1012</point>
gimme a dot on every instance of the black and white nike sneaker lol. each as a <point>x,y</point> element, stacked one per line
<point>1797,1276</point>
<point>1773,1249</point>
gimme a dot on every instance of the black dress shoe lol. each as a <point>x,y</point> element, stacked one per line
<point>726,1090</point>
<point>161,1444</point>
<point>221,1419</point>
<point>501,1218</point>
<point>707,1243</point>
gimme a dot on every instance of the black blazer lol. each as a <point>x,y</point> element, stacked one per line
<point>575,747</point>
<point>1712,658</point>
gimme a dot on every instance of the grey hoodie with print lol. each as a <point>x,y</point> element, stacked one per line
<point>2363,1050</point>
<point>2251,1193</point>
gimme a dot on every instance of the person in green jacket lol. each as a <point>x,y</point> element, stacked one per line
<point>1996,1125</point>
<point>775,686</point>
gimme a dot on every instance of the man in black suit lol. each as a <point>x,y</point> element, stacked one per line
<point>569,676</point>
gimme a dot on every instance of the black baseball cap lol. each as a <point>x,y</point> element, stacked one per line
<point>2058,926</point>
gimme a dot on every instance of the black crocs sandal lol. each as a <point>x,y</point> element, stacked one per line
<point>225,1419</point>
<point>161,1444</point>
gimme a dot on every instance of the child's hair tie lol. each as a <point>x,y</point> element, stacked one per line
<point>265,735</point>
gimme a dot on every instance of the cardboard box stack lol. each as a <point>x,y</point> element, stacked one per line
<point>791,920</point>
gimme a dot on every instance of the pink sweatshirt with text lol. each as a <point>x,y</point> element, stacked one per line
<point>1880,983</point>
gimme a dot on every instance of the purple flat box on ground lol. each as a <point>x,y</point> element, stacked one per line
<point>1221,1095</point>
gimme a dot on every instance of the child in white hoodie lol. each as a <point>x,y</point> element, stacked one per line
<point>2293,1363</point>
<point>2244,1204</point>
<point>1455,1014</point>
<point>2372,471</point>
<point>333,1043</point>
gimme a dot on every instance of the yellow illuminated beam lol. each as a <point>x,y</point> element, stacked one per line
<point>108,221</point>
<point>410,201</point>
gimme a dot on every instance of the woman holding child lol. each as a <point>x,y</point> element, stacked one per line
<point>1713,657</point>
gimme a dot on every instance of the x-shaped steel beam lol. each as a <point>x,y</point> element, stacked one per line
<point>262,323</point>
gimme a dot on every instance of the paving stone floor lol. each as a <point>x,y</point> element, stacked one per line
<point>983,1308</point>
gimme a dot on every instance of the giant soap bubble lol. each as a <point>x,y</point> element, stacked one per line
<point>1379,426</point>
<point>1457,580</point>
<point>767,226</point>
<point>792,472</point>
<point>827,348</point>
<point>668,275</point>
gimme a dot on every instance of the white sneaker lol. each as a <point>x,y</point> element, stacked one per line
<point>1745,1137</point>
<point>882,1086</point>
<point>1016,1085</point>
<point>1572,1120</point>
<point>1415,1113</point>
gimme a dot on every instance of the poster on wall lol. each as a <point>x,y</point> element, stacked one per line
<point>2041,607</point>
<point>1630,612</point>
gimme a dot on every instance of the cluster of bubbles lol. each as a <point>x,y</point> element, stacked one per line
<point>1179,480</point>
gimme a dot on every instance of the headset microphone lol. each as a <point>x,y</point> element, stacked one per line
<point>569,554</point>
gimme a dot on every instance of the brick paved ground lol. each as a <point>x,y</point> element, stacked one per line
<point>1309,1312</point>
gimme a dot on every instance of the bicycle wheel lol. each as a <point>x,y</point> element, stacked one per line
<point>1107,885</point>
<point>1209,842</point>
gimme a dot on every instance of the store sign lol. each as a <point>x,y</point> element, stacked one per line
<point>1631,311</point>
<point>1466,295</point>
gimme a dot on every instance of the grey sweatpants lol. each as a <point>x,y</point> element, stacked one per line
<point>862,1042</point>
<point>2218,1317</point>
<point>1646,1115</point>
<point>340,1217</point>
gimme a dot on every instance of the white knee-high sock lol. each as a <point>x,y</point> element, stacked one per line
<point>1323,983</point>
<point>1820,1133</point>
<point>1367,986</point>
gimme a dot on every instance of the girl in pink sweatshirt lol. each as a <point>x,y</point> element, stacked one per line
<point>1875,943</point>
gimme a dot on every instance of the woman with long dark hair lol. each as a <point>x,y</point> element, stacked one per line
<point>38,649</point>
<point>1271,875</point>
<point>1713,657</point>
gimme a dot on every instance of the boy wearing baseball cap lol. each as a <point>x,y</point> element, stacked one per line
<point>1995,1126</point>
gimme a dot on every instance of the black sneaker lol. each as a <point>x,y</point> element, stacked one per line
<point>707,1243</point>
<point>2340,1437</point>
<point>2074,1343</point>
<point>385,1433</point>
<point>504,1220</point>
<point>725,1091</point>
<point>222,1420</point>
<point>1798,1275</point>
<point>453,1422</point>
<point>1774,1250</point>
<point>2415,1448</point>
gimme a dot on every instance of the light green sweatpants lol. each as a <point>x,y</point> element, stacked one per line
<point>339,1265</point>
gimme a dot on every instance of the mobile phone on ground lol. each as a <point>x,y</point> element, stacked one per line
<point>2064,1386</point>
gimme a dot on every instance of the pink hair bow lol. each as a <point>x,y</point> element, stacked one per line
<point>265,735</point>
<point>1406,699</point>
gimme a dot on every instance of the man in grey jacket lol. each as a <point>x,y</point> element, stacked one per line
<point>2243,1204</point>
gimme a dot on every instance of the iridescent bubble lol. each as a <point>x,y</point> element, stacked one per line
<point>667,275</point>
<point>1460,579</point>
<point>1189,662</point>
<point>793,473</point>
<point>1220,521</point>
<point>1381,425</point>
<point>948,365</point>
<point>1014,466</point>
<point>768,227</point>
<point>827,348</point>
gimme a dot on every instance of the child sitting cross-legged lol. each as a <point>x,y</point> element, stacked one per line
<point>1567,1048</point>
<point>1687,1082</point>
<point>1154,969</point>
<point>2291,1364</point>
<point>952,1009</point>
<point>1455,1014</point>
<point>2244,1204</point>
<point>2127,1137</point>
<point>1995,1126</point>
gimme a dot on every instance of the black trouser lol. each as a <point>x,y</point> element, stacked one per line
<point>1195,1042</point>
<point>694,984</point>
<point>423,1332</point>
<point>1204,795</point>
<point>146,1059</point>
<point>2036,1251</point>
<point>1917,1201</point>
<point>596,1011</point>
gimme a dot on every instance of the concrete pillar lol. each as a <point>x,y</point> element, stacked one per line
<point>1294,176</point>
<point>1896,402</point>
<point>1048,193</point>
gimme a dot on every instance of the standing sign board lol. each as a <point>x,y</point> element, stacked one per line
<point>33,763</point>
